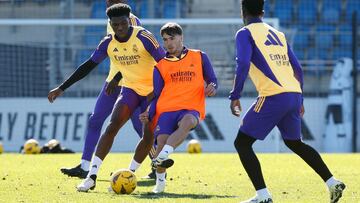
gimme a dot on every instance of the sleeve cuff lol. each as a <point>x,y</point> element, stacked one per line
<point>62,87</point>
<point>233,97</point>
<point>118,76</point>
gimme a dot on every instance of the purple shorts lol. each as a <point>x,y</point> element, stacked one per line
<point>281,110</point>
<point>132,99</point>
<point>168,121</point>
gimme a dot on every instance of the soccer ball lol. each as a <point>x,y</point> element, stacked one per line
<point>193,146</point>
<point>123,181</point>
<point>31,147</point>
<point>1,148</point>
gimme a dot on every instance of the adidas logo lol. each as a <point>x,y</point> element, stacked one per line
<point>94,166</point>
<point>273,39</point>
<point>115,50</point>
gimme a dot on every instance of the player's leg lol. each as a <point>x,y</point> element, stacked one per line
<point>166,125</point>
<point>314,160</point>
<point>160,171</point>
<point>136,123</point>
<point>290,128</point>
<point>142,149</point>
<point>122,110</point>
<point>147,140</point>
<point>187,120</point>
<point>138,127</point>
<point>243,144</point>
<point>102,110</point>
<point>256,124</point>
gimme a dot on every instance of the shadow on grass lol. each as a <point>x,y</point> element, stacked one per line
<point>146,182</point>
<point>150,195</point>
<point>103,180</point>
<point>153,196</point>
<point>141,183</point>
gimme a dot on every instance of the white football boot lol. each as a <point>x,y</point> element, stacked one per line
<point>160,186</point>
<point>87,184</point>
<point>258,199</point>
<point>336,191</point>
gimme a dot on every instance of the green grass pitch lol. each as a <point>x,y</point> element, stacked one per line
<point>206,177</point>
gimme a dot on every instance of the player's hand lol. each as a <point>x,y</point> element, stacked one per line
<point>235,107</point>
<point>144,117</point>
<point>111,86</point>
<point>302,110</point>
<point>210,90</point>
<point>54,93</point>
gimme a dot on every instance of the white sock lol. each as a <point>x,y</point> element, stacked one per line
<point>95,166</point>
<point>166,151</point>
<point>85,164</point>
<point>134,165</point>
<point>263,192</point>
<point>160,177</point>
<point>331,181</point>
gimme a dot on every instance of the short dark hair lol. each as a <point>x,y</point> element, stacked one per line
<point>112,2</point>
<point>171,29</point>
<point>254,7</point>
<point>118,10</point>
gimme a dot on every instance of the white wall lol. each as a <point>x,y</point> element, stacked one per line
<point>21,119</point>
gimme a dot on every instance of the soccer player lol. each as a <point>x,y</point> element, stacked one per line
<point>134,51</point>
<point>135,117</point>
<point>179,91</point>
<point>104,104</point>
<point>263,53</point>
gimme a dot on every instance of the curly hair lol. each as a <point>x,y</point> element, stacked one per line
<point>112,2</point>
<point>118,10</point>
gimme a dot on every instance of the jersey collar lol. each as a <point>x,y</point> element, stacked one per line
<point>255,20</point>
<point>176,58</point>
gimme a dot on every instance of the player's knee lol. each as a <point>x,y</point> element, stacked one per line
<point>189,121</point>
<point>237,144</point>
<point>95,121</point>
<point>243,142</point>
<point>112,129</point>
<point>294,145</point>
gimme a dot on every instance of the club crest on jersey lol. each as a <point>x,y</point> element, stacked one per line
<point>115,50</point>
<point>135,48</point>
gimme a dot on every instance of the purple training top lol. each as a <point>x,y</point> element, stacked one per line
<point>101,52</point>
<point>249,53</point>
